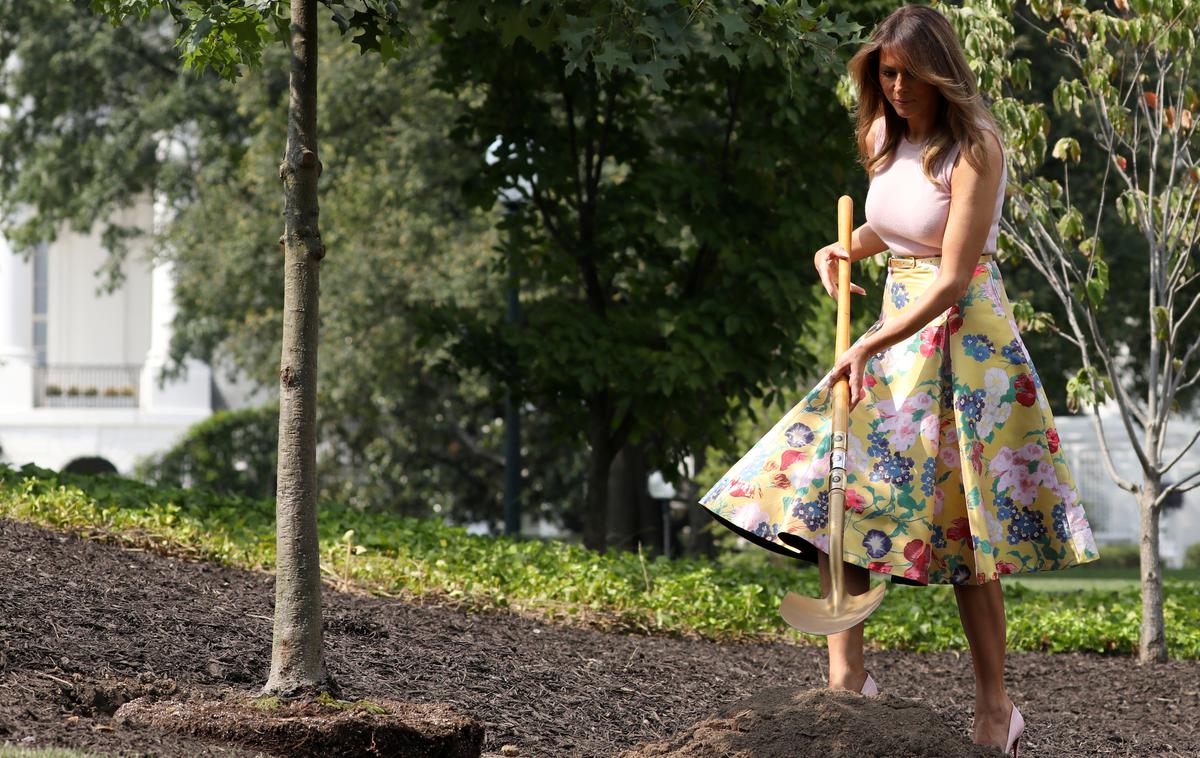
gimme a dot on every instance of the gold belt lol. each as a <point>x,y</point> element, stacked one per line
<point>910,261</point>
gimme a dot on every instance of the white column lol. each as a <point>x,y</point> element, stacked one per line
<point>192,392</point>
<point>16,330</point>
<point>162,310</point>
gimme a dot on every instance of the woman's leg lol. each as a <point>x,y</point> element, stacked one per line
<point>981,609</point>
<point>847,664</point>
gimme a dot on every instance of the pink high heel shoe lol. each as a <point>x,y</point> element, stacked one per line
<point>1016,727</point>
<point>869,688</point>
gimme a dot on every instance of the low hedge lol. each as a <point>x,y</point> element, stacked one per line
<point>1191,558</point>
<point>425,560</point>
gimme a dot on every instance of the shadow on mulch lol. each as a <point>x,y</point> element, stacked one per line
<point>85,627</point>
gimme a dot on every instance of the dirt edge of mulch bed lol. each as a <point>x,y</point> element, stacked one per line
<point>308,727</point>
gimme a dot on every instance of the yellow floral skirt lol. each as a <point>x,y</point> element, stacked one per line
<point>955,472</point>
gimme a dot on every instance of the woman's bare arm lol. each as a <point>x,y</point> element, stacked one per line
<point>864,243</point>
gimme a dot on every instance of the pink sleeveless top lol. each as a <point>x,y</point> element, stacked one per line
<point>908,211</point>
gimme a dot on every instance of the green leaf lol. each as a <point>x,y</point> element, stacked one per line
<point>1070,224</point>
<point>1030,319</point>
<point>1097,282</point>
<point>1162,322</point>
<point>612,57</point>
<point>1068,96</point>
<point>656,71</point>
<point>1092,246</point>
<point>732,24</point>
<point>1067,148</point>
<point>1127,206</point>
<point>1087,388</point>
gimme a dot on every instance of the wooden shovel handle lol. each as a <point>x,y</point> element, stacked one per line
<point>841,419</point>
<point>841,397</point>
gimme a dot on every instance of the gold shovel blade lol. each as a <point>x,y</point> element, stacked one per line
<point>819,616</point>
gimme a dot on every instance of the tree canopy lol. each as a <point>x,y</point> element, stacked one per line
<point>679,251</point>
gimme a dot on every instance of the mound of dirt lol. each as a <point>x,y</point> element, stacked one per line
<point>307,728</point>
<point>104,696</point>
<point>789,722</point>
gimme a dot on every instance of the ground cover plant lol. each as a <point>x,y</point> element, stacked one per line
<point>427,561</point>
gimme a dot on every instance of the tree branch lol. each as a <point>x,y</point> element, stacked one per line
<point>1062,288</point>
<point>605,130</point>
<point>551,225</point>
<point>1106,456</point>
<point>1182,453</point>
<point>1042,261</point>
<point>1177,487</point>
<point>569,106</point>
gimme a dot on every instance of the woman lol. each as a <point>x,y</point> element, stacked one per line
<point>955,473</point>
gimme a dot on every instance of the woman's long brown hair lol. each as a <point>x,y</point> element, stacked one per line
<point>929,50</point>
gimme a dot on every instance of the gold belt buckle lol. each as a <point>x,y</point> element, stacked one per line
<point>902,261</point>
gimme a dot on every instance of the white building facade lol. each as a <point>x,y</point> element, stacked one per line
<point>80,368</point>
<point>1113,512</point>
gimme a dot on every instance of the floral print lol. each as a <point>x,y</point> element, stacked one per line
<point>1013,352</point>
<point>978,346</point>
<point>877,543</point>
<point>955,472</point>
<point>799,435</point>
<point>815,513</point>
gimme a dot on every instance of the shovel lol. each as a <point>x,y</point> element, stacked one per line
<point>837,611</point>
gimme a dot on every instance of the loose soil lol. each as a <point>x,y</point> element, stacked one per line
<point>775,721</point>
<point>86,627</point>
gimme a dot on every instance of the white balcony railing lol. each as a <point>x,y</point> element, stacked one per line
<point>86,386</point>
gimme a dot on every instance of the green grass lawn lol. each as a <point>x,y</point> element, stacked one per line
<point>736,599</point>
<point>8,750</point>
<point>1090,577</point>
<point>1097,578</point>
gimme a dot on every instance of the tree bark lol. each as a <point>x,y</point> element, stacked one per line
<point>297,649</point>
<point>633,516</point>
<point>647,510</point>
<point>621,508</point>
<point>1152,644</point>
<point>595,517</point>
<point>699,539</point>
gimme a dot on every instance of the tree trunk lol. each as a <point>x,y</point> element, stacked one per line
<point>1152,645</point>
<point>699,541</point>
<point>649,510</point>
<point>297,648</point>
<point>621,508</point>
<point>633,516</point>
<point>595,517</point>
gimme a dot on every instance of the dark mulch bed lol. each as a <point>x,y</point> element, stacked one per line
<point>85,626</point>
